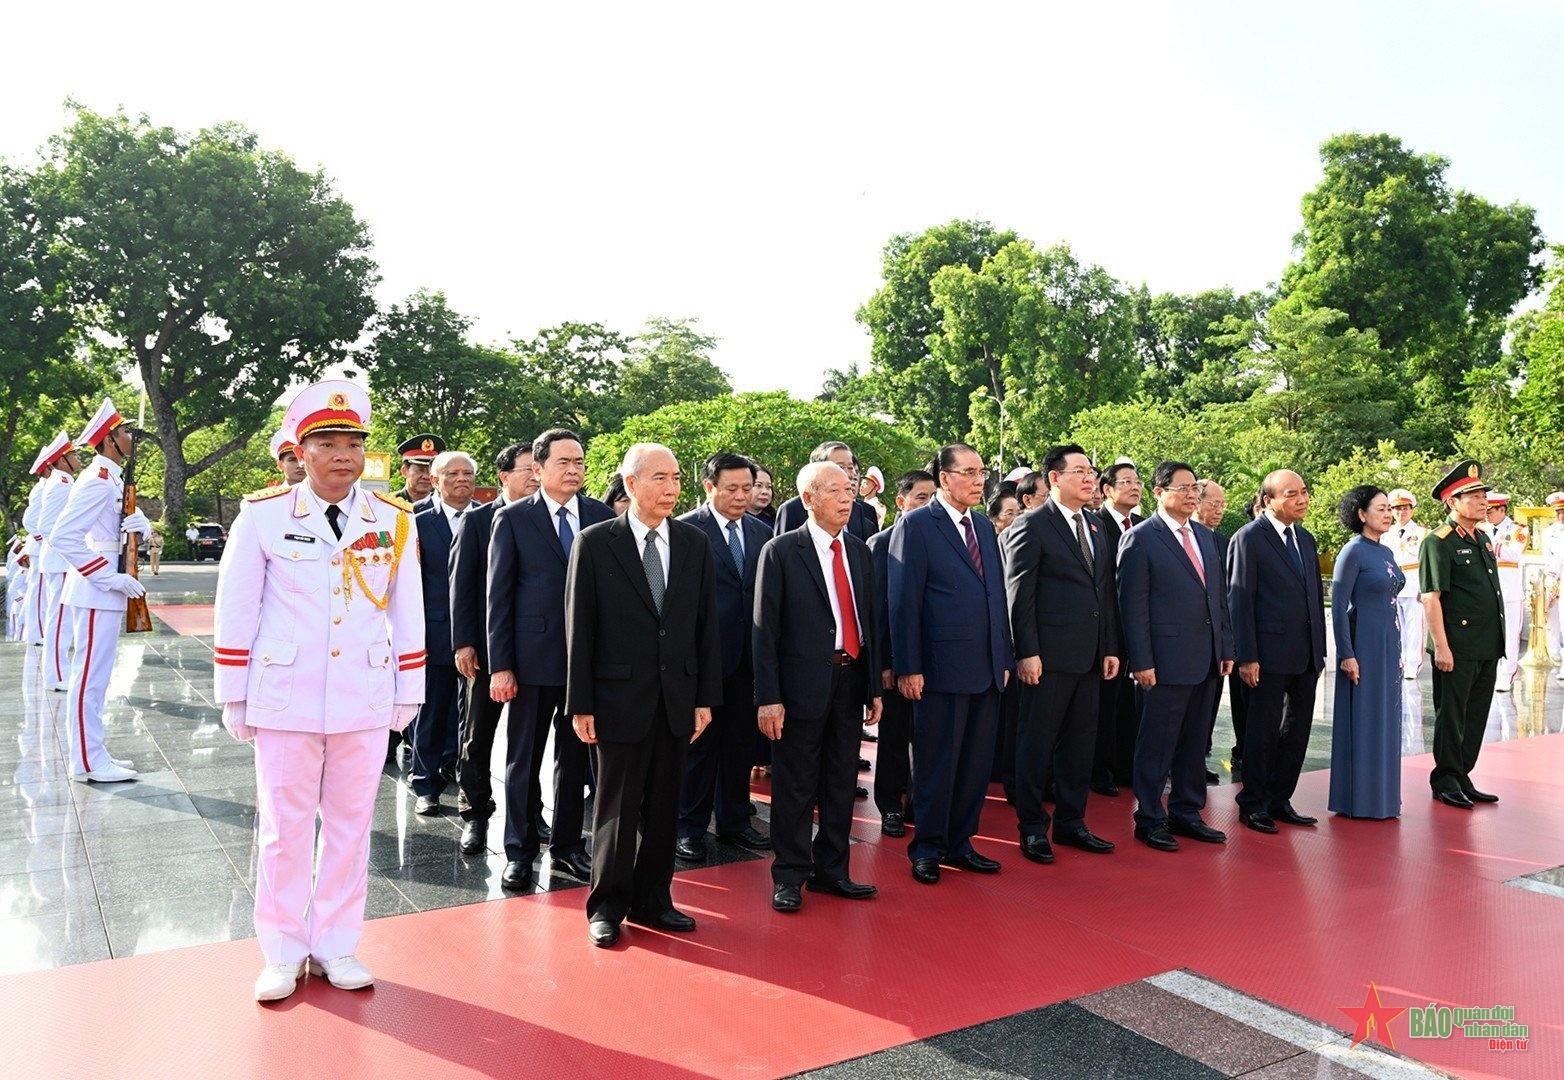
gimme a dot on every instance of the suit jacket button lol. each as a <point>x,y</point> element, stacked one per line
<point>662,633</point>
<point>1463,622</point>
<point>662,667</point>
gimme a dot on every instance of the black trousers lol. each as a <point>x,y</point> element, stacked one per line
<point>1462,697</point>
<point>952,757</point>
<point>716,767</point>
<point>1238,696</point>
<point>815,765</point>
<point>475,799</point>
<point>532,712</point>
<point>1118,721</point>
<point>1005,741</point>
<point>434,730</point>
<point>1276,738</point>
<point>1058,725</point>
<point>893,753</point>
<point>637,799</point>
<point>1175,724</point>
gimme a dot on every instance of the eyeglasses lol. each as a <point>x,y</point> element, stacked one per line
<point>966,474</point>
<point>1078,472</point>
<point>1183,489</point>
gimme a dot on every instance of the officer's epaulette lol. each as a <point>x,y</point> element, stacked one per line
<point>267,493</point>
<point>1444,530</point>
<point>400,504</point>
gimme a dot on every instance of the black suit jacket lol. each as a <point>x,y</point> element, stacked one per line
<point>1278,612</point>
<point>1112,526</point>
<point>735,592</point>
<point>623,656</point>
<point>880,554</point>
<point>468,572</point>
<point>526,587</point>
<point>1060,610</point>
<point>863,524</point>
<point>795,626</point>
<point>434,543</point>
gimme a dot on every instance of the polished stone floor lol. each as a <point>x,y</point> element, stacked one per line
<point>89,872</point>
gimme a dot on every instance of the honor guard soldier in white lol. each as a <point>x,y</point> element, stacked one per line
<point>319,650</point>
<point>1405,538</point>
<point>88,536</point>
<point>1509,542</point>
<point>32,516</point>
<point>60,466</point>
<point>1553,566</point>
<point>286,455</point>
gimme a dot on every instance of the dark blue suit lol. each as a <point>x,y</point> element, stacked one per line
<point>438,724</point>
<point>893,753</point>
<point>716,767</point>
<point>1176,624</point>
<point>526,608</point>
<point>949,623</point>
<point>1278,614</point>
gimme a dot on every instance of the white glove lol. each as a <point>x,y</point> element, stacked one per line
<point>136,522</point>
<point>233,719</point>
<point>123,584</point>
<point>402,715</point>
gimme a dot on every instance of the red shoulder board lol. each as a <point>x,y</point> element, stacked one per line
<point>103,473</point>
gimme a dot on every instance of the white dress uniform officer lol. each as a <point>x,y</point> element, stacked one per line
<point>319,649</point>
<point>60,458</point>
<point>16,574</point>
<point>1553,565</point>
<point>286,455</point>
<point>1405,538</point>
<point>1509,542</point>
<point>88,537</point>
<point>32,517</point>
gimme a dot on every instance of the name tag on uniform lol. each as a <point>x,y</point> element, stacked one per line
<point>300,539</point>
<point>1458,551</point>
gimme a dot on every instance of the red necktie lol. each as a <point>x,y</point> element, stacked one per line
<point>1189,549</point>
<point>845,611</point>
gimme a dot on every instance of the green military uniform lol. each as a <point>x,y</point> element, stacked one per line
<point>1462,569</point>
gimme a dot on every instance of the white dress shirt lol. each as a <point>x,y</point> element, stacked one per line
<point>573,512</point>
<point>639,530</point>
<point>1194,541</point>
<point>1122,520</point>
<point>822,540</point>
<point>955,515</point>
<point>450,512</point>
<point>320,504</point>
<point>723,521</point>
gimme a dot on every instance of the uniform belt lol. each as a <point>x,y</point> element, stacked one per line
<point>102,546</point>
<point>1409,566</point>
<point>1506,565</point>
<point>841,658</point>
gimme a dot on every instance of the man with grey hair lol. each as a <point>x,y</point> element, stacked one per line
<point>644,668</point>
<point>863,523</point>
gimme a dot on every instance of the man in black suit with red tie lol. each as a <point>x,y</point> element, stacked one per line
<point>816,684</point>
<point>645,669</point>
<point>1118,709</point>
<point>1059,577</point>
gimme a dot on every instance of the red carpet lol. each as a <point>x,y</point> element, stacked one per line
<point>1304,919</point>
<point>191,620</point>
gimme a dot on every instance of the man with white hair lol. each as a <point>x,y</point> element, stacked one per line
<point>435,729</point>
<point>1406,540</point>
<point>644,663</point>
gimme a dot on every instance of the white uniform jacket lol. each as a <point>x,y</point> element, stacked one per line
<point>300,633</point>
<point>32,517</point>
<point>1509,542</point>
<point>55,495</point>
<point>86,535</point>
<point>1406,541</point>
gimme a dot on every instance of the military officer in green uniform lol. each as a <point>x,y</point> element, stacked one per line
<point>416,455</point>
<point>1458,578</point>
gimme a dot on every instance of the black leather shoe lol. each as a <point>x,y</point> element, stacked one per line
<point>846,888</point>
<point>690,849</point>
<point>925,871</point>
<point>1287,814</point>
<point>475,836</point>
<point>1259,821</point>
<point>1156,837</point>
<point>1454,798</point>
<point>747,837</point>
<point>1473,795</point>
<point>977,864</point>
<point>1083,839</point>
<point>860,792</point>
<point>578,864</point>
<point>1038,849</point>
<point>1108,788</point>
<point>517,876</point>
<point>602,932</point>
<point>863,764</point>
<point>1197,830</point>
<point>893,824</point>
<point>427,806</point>
<point>1212,779</point>
<point>671,919</point>
<point>786,898</point>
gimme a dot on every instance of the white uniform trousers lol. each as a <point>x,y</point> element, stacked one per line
<point>310,903</point>
<point>1556,638</point>
<point>1514,611</point>
<point>58,633</point>
<point>97,629</point>
<point>1413,643</point>
<point>32,611</point>
<point>16,603</point>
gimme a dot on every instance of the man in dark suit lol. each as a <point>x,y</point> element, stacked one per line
<point>716,773</point>
<point>1118,708</point>
<point>435,729</point>
<point>1179,645</point>
<point>1059,576</point>
<point>950,634</point>
<point>469,576</point>
<point>1212,508</point>
<point>1032,490</point>
<point>1278,611</point>
<point>645,669</point>
<point>863,523</point>
<point>816,683</point>
<point>893,762</point>
<point>528,556</point>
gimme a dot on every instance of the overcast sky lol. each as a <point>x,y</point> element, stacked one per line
<point>745,163</point>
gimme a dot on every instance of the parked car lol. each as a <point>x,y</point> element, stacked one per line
<point>210,540</point>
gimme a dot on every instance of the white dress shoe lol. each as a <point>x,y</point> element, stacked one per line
<point>112,773</point>
<point>277,981</point>
<point>124,763</point>
<point>345,972</point>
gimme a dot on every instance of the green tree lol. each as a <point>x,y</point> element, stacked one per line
<point>670,361</point>
<point>1383,464</point>
<point>575,369</point>
<point>224,270</point>
<point>774,429</point>
<point>1186,349</point>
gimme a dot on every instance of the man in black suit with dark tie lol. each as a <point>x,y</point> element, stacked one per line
<point>816,684</point>
<point>863,523</point>
<point>1059,577</point>
<point>469,575</point>
<point>1118,708</point>
<point>716,773</point>
<point>528,557</point>
<point>435,729</point>
<point>893,759</point>
<point>645,669</point>
<point>1278,611</point>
